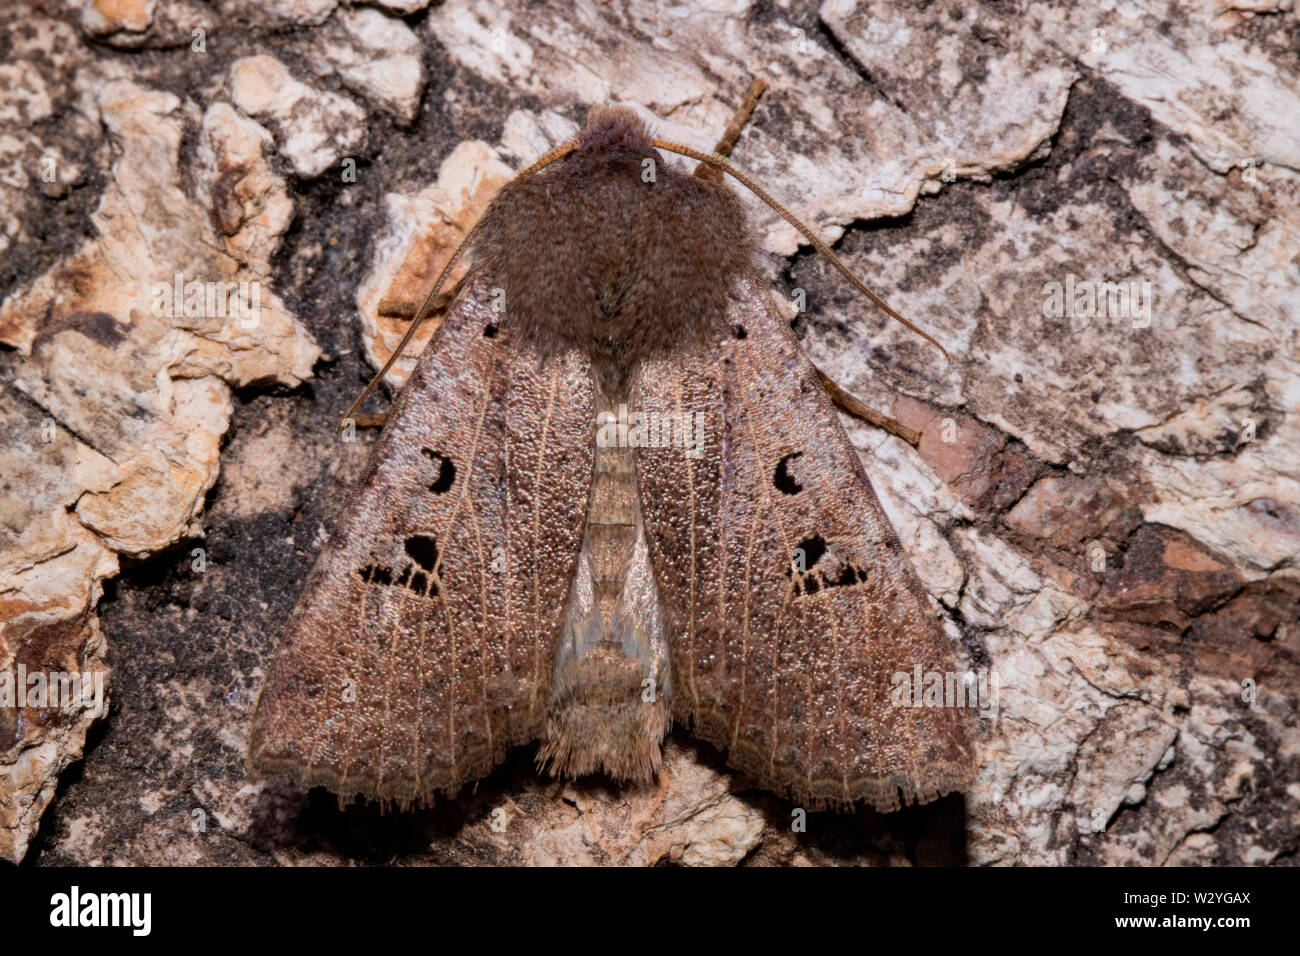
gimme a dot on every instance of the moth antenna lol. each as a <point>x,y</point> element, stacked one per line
<point>558,153</point>
<point>721,162</point>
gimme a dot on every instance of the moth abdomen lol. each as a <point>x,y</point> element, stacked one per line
<point>602,721</point>
<point>609,707</point>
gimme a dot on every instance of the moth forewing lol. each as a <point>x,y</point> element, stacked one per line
<point>422,647</point>
<point>786,590</point>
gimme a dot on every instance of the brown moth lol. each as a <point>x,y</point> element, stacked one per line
<point>612,495</point>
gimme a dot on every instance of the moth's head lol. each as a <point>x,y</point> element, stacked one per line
<point>612,250</point>
<point>615,129</point>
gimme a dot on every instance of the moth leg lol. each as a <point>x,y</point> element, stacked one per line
<point>732,133</point>
<point>856,408</point>
<point>838,395</point>
<point>406,310</point>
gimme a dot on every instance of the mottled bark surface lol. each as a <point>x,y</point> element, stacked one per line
<point>1105,502</point>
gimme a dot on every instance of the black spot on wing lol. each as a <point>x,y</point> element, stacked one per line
<point>409,578</point>
<point>376,574</point>
<point>420,577</point>
<point>818,575</point>
<point>849,575</point>
<point>781,477</point>
<point>812,550</point>
<point>423,549</point>
<point>446,471</point>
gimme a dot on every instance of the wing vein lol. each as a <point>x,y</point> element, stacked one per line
<point>537,519</point>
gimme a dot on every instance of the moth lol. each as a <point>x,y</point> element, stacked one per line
<point>613,495</point>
